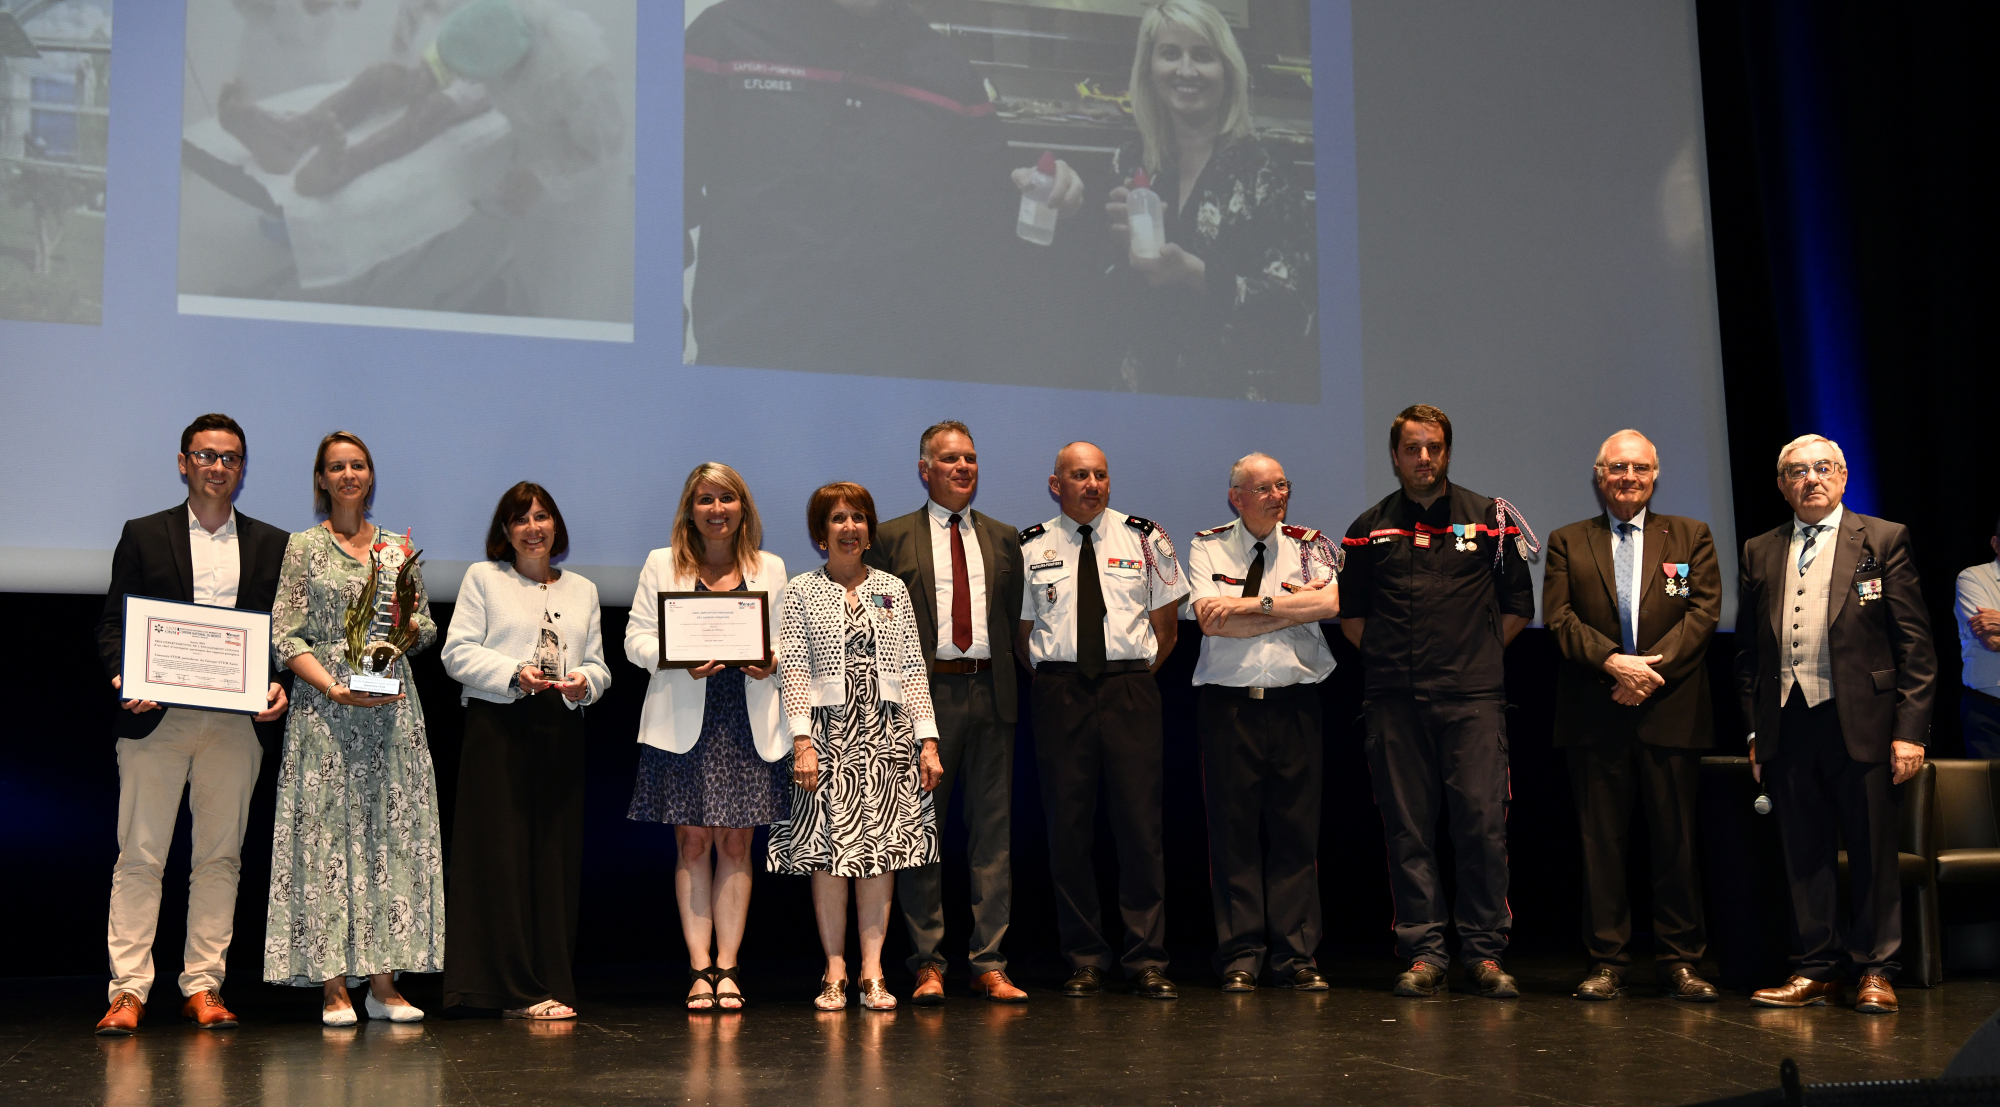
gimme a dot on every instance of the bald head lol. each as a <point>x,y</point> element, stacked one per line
<point>1082,481</point>
<point>1628,437</point>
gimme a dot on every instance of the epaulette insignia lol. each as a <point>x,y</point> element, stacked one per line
<point>1033,533</point>
<point>1143,526</point>
<point>1223,529</point>
<point>1303,534</point>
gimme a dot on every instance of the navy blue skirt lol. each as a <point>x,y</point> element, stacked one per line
<point>722,781</point>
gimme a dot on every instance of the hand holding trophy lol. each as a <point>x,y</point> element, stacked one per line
<point>381,623</point>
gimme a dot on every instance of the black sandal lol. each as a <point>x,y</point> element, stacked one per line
<point>715,981</point>
<point>701,1001</point>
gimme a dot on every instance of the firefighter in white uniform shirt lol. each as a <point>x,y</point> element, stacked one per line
<point>1098,618</point>
<point>1259,591</point>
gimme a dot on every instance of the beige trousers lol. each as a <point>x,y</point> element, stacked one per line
<point>215,757</point>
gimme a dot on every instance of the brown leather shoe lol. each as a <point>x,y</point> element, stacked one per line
<point>996,987</point>
<point>930,985</point>
<point>1875,996</point>
<point>207,1011</point>
<point>1797,992</point>
<point>1681,983</point>
<point>124,1016</point>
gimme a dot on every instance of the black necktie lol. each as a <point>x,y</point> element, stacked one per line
<point>1255,578</point>
<point>1089,610</point>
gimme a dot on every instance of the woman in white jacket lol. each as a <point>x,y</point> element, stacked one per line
<point>714,763</point>
<point>527,650</point>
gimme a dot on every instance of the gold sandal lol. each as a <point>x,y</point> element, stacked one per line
<point>875,997</point>
<point>832,995</point>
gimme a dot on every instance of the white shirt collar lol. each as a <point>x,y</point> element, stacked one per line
<point>1096,525</point>
<point>1832,520</point>
<point>1638,520</point>
<point>943,517</point>
<point>228,527</point>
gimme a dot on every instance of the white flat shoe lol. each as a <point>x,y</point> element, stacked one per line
<point>342,1017</point>
<point>396,1012</point>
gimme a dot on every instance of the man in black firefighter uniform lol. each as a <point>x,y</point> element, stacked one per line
<point>846,188</point>
<point>1433,589</point>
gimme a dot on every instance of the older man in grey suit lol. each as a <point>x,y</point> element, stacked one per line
<point>963,570</point>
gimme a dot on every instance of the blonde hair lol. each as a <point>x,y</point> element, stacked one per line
<point>688,543</point>
<point>322,499</point>
<point>1155,119</point>
<point>1805,440</point>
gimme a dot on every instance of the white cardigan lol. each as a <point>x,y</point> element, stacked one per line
<point>671,719</point>
<point>497,624</point>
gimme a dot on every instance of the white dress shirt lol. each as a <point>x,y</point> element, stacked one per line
<point>1138,574</point>
<point>1978,587</point>
<point>975,582</point>
<point>1274,659</point>
<point>1636,579</point>
<point>1802,626</point>
<point>217,562</point>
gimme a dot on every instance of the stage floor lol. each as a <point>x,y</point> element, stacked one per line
<point>1355,1044</point>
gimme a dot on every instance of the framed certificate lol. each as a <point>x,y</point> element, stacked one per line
<point>190,655</point>
<point>699,627</point>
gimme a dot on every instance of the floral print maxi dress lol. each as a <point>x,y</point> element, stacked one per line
<point>357,875</point>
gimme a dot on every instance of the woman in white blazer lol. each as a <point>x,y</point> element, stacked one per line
<point>716,760</point>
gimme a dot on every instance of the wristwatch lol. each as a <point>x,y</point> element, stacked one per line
<point>1264,604</point>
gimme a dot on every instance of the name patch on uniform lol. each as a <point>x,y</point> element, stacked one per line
<point>1040,565</point>
<point>1123,563</point>
<point>766,84</point>
<point>1870,589</point>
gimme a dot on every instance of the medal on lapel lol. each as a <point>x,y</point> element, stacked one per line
<point>1677,578</point>
<point>880,600</point>
<point>1870,589</point>
<point>1466,533</point>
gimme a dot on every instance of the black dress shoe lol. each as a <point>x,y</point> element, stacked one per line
<point>1681,983</point>
<point>1603,983</point>
<point>1422,979</point>
<point>1492,981</point>
<point>1153,984</point>
<point>1084,982</point>
<point>1236,980</point>
<point>1307,979</point>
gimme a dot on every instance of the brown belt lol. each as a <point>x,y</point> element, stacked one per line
<point>963,666</point>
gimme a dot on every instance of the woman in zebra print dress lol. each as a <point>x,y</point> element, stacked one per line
<point>864,751</point>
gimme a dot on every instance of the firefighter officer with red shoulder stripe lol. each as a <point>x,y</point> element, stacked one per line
<point>1260,588</point>
<point>1434,585</point>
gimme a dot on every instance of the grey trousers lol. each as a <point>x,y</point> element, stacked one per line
<point>977,749</point>
<point>215,757</point>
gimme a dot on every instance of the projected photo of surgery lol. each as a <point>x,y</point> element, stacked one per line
<point>55,96</point>
<point>441,164</point>
<point>1091,194</point>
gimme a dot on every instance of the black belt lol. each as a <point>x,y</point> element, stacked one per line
<point>1988,697</point>
<point>1109,667</point>
<point>963,666</point>
<point>1282,692</point>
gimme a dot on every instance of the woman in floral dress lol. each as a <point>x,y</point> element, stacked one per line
<point>357,876</point>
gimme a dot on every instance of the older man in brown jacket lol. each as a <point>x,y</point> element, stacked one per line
<point>1632,598</point>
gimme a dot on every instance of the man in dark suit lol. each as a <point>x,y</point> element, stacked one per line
<point>201,551</point>
<point>1836,671</point>
<point>1632,597</point>
<point>963,570</point>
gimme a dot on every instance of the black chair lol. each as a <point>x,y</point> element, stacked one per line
<point>1968,859</point>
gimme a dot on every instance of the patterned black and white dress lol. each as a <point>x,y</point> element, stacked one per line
<point>858,672</point>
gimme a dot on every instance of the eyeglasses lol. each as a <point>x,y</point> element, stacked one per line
<point>206,458</point>
<point>1819,469</point>
<point>1633,468</point>
<point>1282,487</point>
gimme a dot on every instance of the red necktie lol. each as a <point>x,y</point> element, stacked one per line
<point>961,592</point>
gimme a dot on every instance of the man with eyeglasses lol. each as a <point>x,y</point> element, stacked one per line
<point>202,551</point>
<point>1631,597</point>
<point>1433,588</point>
<point>1836,672</point>
<point>1260,588</point>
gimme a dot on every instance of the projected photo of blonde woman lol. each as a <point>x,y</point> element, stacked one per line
<point>941,189</point>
